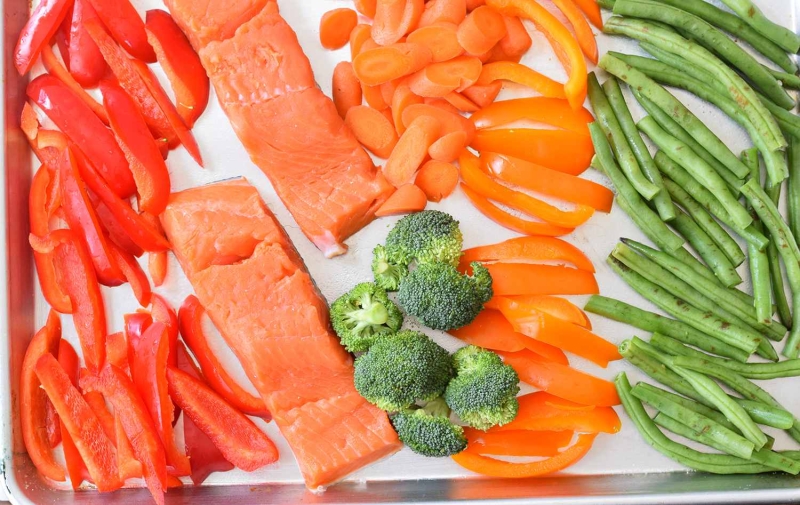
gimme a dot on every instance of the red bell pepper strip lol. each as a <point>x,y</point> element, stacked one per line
<point>53,424</point>
<point>125,25</point>
<point>76,274</point>
<point>142,233</point>
<point>163,312</point>
<point>204,456</point>
<point>115,231</point>
<point>84,128</point>
<point>33,400</point>
<point>181,64</point>
<point>134,274</point>
<point>239,440</point>
<point>517,443</point>
<point>29,123</point>
<point>157,266</point>
<point>118,389</point>
<point>95,448</point>
<point>183,133</point>
<point>135,326</point>
<point>83,221</point>
<point>86,63</point>
<point>56,68</point>
<point>38,31</point>
<point>129,466</point>
<point>191,318</point>
<point>543,411</point>
<point>76,468</point>
<point>148,167</point>
<point>150,363</point>
<point>117,351</point>
<point>45,268</point>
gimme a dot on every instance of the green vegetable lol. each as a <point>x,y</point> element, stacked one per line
<point>753,16</point>
<point>387,273</point>
<point>789,80</point>
<point>442,298</point>
<point>428,430</point>
<point>707,249</point>
<point>401,369</point>
<point>776,275</point>
<point>484,391</point>
<point>686,403</point>
<point>793,191</point>
<point>424,237</point>
<point>759,261</point>
<point>363,315</point>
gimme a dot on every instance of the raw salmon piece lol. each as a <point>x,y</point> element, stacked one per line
<point>205,21</point>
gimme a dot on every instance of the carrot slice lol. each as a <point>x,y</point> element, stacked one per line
<point>543,147</point>
<point>443,11</point>
<point>460,102</point>
<point>489,188</point>
<point>592,11</point>
<point>441,103</point>
<point>481,30</point>
<point>517,443</point>
<point>394,19</point>
<point>402,99</point>
<point>450,122</point>
<point>565,45</point>
<point>335,27</point>
<point>545,411</point>
<point>346,88</point>
<point>408,198</point>
<point>483,95</point>
<point>411,150</point>
<point>549,182</point>
<point>532,279</point>
<point>366,7</point>
<point>372,130</point>
<point>440,79</point>
<point>520,74</point>
<point>448,147</point>
<point>376,66</point>
<point>541,109</point>
<point>440,38</point>
<point>474,4</point>
<point>511,221</point>
<point>583,32</point>
<point>437,180</point>
<point>373,95</point>
<point>515,43</point>
<point>55,67</point>
<point>358,37</point>
<point>528,249</point>
<point>553,305</point>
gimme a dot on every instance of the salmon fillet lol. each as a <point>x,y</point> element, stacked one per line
<point>256,290</point>
<point>290,129</point>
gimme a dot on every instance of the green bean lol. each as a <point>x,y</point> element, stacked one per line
<point>664,100</point>
<point>667,61</point>
<point>778,290</point>
<point>793,189</point>
<point>685,431</point>
<point>687,403</point>
<point>662,201</point>
<point>787,120</point>
<point>713,40</point>
<point>753,16</point>
<point>768,415</point>
<point>759,261</point>
<point>707,249</point>
<point>648,321</point>
<point>789,80</point>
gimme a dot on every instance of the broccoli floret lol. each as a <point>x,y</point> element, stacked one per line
<point>428,430</point>
<point>484,391</point>
<point>363,315</point>
<point>442,298</point>
<point>388,274</point>
<point>401,369</point>
<point>425,237</point>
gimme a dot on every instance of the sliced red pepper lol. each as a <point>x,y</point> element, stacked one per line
<point>150,363</point>
<point>83,221</point>
<point>117,351</point>
<point>38,31</point>
<point>148,167</point>
<point>181,64</point>
<point>157,266</point>
<point>53,424</point>
<point>135,326</point>
<point>191,318</point>
<point>94,446</point>
<point>76,468</point>
<point>239,440</point>
<point>163,312</point>
<point>129,466</point>
<point>29,123</point>
<point>118,389</point>
<point>33,401</point>
<point>125,25</point>
<point>543,411</point>
<point>86,63</point>
<point>517,443</point>
<point>115,231</point>
<point>56,68</point>
<point>134,274</point>
<point>85,129</point>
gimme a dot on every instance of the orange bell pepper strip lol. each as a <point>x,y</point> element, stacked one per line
<point>592,11</point>
<point>554,331</point>
<point>540,109</point>
<point>553,305</point>
<point>544,411</point>
<point>520,74</point>
<point>38,31</point>
<point>511,221</point>
<point>525,249</point>
<point>517,443</point>
<point>497,468</point>
<point>562,381</point>
<point>583,32</point>
<point>528,279</point>
<point>566,47</point>
<point>55,67</point>
<point>489,188</point>
<point>550,182</point>
<point>33,401</point>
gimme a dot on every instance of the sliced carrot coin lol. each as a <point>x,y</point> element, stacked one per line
<point>335,27</point>
<point>372,129</point>
<point>440,38</point>
<point>382,64</point>
<point>449,121</point>
<point>528,249</point>
<point>448,147</point>
<point>394,19</point>
<point>403,98</point>
<point>515,43</point>
<point>461,102</point>
<point>411,150</point>
<point>443,11</point>
<point>373,95</point>
<point>358,38</point>
<point>437,179</point>
<point>440,79</point>
<point>483,95</point>
<point>346,88</point>
<point>520,74</point>
<point>408,198</point>
<point>366,7</point>
<point>441,103</point>
<point>481,30</point>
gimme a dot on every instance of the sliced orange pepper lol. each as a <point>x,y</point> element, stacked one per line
<point>517,443</point>
<point>524,249</point>
<point>592,11</point>
<point>489,188</point>
<point>527,279</point>
<point>541,109</point>
<point>520,74</point>
<point>562,381</point>
<point>553,305</point>
<point>566,47</point>
<point>561,150</point>
<point>497,468</point>
<point>583,32</point>
<point>544,411</point>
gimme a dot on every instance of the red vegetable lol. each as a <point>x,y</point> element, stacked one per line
<point>85,62</point>
<point>134,274</point>
<point>76,468</point>
<point>115,231</point>
<point>38,31</point>
<point>135,326</point>
<point>163,312</point>
<point>125,25</point>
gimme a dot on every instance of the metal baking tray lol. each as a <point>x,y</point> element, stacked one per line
<point>621,469</point>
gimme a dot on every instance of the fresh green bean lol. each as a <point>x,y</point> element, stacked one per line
<point>789,80</point>
<point>662,201</point>
<point>767,414</point>
<point>793,188</point>
<point>759,262</point>
<point>648,321</point>
<point>787,120</point>
<point>707,249</point>
<point>712,39</point>
<point>687,403</point>
<point>666,61</point>
<point>753,16</point>
<point>778,290</point>
<point>685,431</point>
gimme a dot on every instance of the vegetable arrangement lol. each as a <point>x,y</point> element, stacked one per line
<point>690,191</point>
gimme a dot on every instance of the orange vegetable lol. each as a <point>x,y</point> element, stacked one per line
<point>528,279</point>
<point>335,27</point>
<point>515,43</point>
<point>474,4</point>
<point>528,249</point>
<point>583,32</point>
<point>372,130</point>
<point>394,19</point>
<point>544,411</point>
<point>437,179</point>
<point>517,443</point>
<point>373,95</point>
<point>358,39</point>
<point>443,11</point>
<point>511,221</point>
<point>402,99</point>
<point>441,103</point>
<point>366,7</point>
<point>449,121</point>
<point>55,67</point>
<point>388,89</point>
<point>540,109</point>
<point>408,198</point>
<point>157,265</point>
<point>553,305</point>
<point>346,88</point>
<point>549,182</point>
<point>460,102</point>
<point>481,30</point>
<point>497,468</point>
<point>562,381</point>
<point>448,147</point>
<point>439,79</point>
<point>565,45</point>
<point>544,147</point>
<point>592,11</point>
<point>520,74</point>
<point>382,64</point>
<point>411,150</point>
<point>483,95</point>
<point>489,188</point>
<point>440,38</point>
